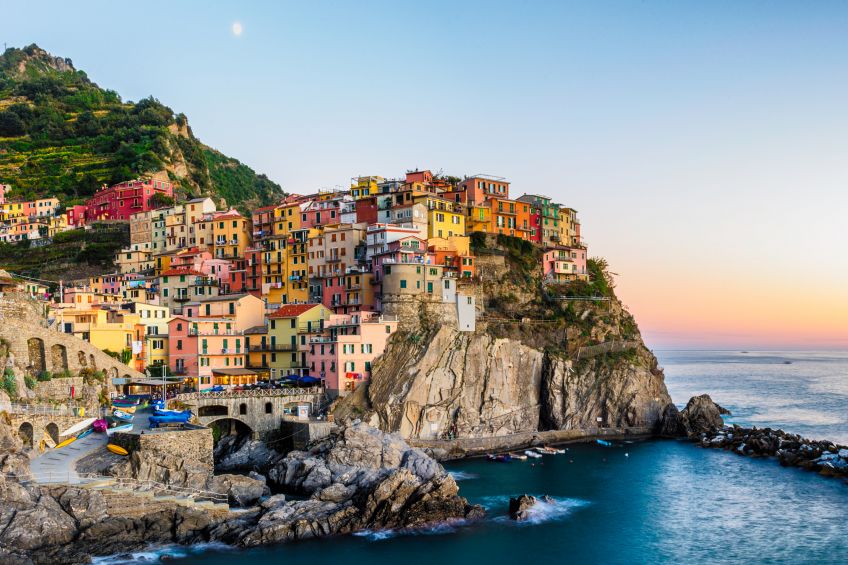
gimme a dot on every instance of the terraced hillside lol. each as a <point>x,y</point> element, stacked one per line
<point>62,135</point>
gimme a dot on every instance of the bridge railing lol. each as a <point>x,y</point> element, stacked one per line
<point>258,393</point>
<point>129,483</point>
<point>38,410</point>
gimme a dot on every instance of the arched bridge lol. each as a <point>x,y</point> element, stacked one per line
<point>262,411</point>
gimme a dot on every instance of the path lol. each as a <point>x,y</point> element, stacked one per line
<point>59,465</point>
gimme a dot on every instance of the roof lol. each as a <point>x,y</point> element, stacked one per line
<point>292,310</point>
<point>256,330</point>
<point>182,271</point>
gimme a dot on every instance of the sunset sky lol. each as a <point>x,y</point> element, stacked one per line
<point>704,144</point>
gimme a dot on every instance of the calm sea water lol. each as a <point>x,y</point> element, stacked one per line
<point>651,501</point>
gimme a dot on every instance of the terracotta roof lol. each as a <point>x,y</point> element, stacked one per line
<point>182,271</point>
<point>292,310</point>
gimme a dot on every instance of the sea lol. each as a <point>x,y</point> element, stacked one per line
<point>654,501</point>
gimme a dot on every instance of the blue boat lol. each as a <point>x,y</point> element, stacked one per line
<point>121,415</point>
<point>172,417</point>
<point>604,442</point>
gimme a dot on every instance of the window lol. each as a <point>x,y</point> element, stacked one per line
<point>403,283</point>
<point>242,409</point>
<point>268,408</point>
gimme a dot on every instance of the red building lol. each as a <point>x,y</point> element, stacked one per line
<point>536,225</point>
<point>366,210</point>
<point>76,215</point>
<point>120,201</point>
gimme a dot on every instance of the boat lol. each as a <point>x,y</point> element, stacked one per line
<point>125,401</point>
<point>68,441</point>
<point>603,442</point>
<point>533,454</point>
<point>121,415</point>
<point>79,426</point>
<point>85,433</point>
<point>122,428</point>
<point>116,449</point>
<point>127,409</point>
<point>545,450</point>
<point>518,456</point>
<point>172,418</point>
<point>99,426</point>
<point>499,458</point>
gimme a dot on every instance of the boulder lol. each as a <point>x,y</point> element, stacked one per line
<point>519,506</point>
<point>241,490</point>
<point>701,415</point>
<point>671,423</point>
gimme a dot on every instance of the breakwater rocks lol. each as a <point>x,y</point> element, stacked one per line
<point>824,457</point>
<point>357,478</point>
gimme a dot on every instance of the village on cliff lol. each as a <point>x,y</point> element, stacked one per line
<point>307,290</point>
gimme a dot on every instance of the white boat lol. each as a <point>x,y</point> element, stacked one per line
<point>533,454</point>
<point>77,427</point>
<point>545,450</point>
<point>518,456</point>
<point>123,428</point>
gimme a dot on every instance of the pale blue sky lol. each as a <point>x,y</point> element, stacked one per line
<point>703,143</point>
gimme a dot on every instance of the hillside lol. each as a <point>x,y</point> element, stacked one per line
<point>62,135</point>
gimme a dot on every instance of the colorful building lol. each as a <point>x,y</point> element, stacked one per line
<point>120,201</point>
<point>289,331</point>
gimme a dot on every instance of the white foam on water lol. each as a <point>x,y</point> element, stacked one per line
<point>155,554</point>
<point>541,512</point>
<point>462,475</point>
<point>435,530</point>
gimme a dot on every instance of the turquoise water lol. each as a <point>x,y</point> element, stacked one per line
<point>653,501</point>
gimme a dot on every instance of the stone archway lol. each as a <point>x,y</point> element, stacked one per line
<point>91,362</point>
<point>214,410</point>
<point>81,359</point>
<point>229,427</point>
<point>113,373</point>
<point>25,431</point>
<point>58,357</point>
<point>53,431</point>
<point>35,347</point>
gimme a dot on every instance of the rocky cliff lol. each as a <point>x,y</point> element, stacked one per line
<point>536,362</point>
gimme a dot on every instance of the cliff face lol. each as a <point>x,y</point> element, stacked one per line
<point>535,363</point>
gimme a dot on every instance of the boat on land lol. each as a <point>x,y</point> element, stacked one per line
<point>127,409</point>
<point>499,458</point>
<point>173,417</point>
<point>117,449</point>
<point>121,415</point>
<point>86,433</point>
<point>99,425</point>
<point>68,441</point>
<point>533,454</point>
<point>122,428</point>
<point>519,456</point>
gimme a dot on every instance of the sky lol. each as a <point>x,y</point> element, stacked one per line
<point>703,143</point>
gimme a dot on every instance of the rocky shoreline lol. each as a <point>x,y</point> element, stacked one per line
<point>358,478</point>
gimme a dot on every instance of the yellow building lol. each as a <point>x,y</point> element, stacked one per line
<point>444,217</point>
<point>284,259</point>
<point>289,332</point>
<point>363,187</point>
<point>230,235</point>
<point>258,355</point>
<point>156,347</point>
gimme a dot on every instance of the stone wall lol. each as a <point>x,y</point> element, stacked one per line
<point>194,445</point>
<point>31,347</point>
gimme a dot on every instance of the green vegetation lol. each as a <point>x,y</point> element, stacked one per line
<point>94,247</point>
<point>62,135</point>
<point>45,376</point>
<point>30,382</point>
<point>600,283</point>
<point>90,376</point>
<point>9,384</point>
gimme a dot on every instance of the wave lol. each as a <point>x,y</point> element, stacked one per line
<point>438,529</point>
<point>556,509</point>
<point>462,475</point>
<point>159,554</point>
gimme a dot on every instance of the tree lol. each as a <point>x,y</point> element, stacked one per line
<point>11,125</point>
<point>159,200</point>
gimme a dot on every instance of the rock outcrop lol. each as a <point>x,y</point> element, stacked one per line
<point>519,507</point>
<point>495,382</point>
<point>358,478</point>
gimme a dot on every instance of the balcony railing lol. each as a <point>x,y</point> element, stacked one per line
<point>272,347</point>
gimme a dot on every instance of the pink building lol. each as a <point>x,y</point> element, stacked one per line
<point>564,264</point>
<point>120,201</point>
<point>321,213</point>
<point>343,358</point>
<point>76,215</point>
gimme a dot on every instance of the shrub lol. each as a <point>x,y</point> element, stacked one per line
<point>44,376</point>
<point>30,382</point>
<point>9,384</point>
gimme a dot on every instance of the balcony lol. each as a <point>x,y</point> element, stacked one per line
<point>332,259</point>
<point>181,298</point>
<point>272,347</point>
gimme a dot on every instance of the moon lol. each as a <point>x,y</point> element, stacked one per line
<point>237,28</point>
